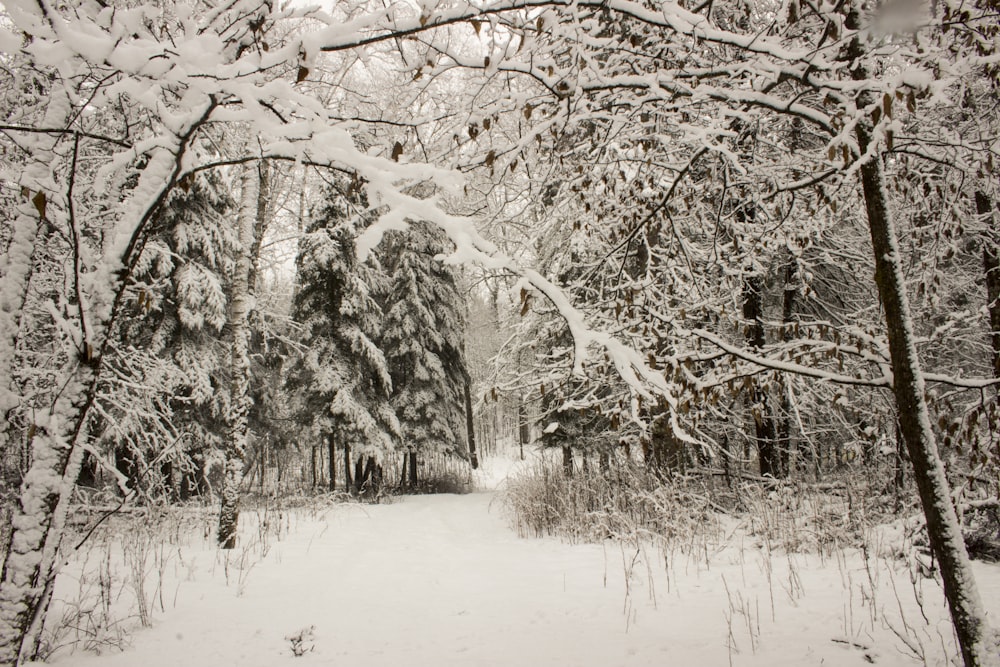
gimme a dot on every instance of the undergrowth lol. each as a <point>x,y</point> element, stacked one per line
<point>628,501</point>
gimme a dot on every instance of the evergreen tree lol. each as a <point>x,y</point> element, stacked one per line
<point>172,341</point>
<point>423,336</point>
<point>342,378</point>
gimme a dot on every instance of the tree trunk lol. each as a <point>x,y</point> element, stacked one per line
<point>470,426</point>
<point>331,454</point>
<point>899,469</point>
<point>240,399</point>
<point>764,427</point>
<point>567,461</point>
<point>523,429</point>
<point>402,474</point>
<point>56,433</point>
<point>29,569</point>
<point>16,268</point>
<point>263,461</point>
<point>359,475</point>
<point>370,483</point>
<point>413,470</point>
<point>312,461</point>
<point>975,637</point>
<point>991,267</point>
<point>784,429</point>
<point>348,483</point>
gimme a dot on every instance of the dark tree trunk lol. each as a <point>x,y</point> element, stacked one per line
<point>765,431</point>
<point>331,456</point>
<point>991,267</point>
<point>969,619</point>
<point>347,467</point>
<point>413,470</point>
<point>470,426</point>
<point>359,474</point>
<point>370,483</point>
<point>263,461</point>
<point>312,464</point>
<point>667,453</point>
<point>402,474</point>
<point>899,471</point>
<point>567,460</point>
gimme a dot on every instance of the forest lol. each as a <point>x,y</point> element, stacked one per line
<point>692,257</point>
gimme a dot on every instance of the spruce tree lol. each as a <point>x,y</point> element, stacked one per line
<point>341,378</point>
<point>173,340</point>
<point>423,339</point>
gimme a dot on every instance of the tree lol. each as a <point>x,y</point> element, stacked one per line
<point>761,67</point>
<point>171,344</point>
<point>342,377</point>
<point>423,335</point>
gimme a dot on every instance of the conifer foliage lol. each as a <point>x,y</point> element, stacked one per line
<point>342,379</point>
<point>423,334</point>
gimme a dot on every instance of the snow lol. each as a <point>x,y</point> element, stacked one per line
<point>443,580</point>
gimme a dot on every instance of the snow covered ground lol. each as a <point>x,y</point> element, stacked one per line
<point>442,580</point>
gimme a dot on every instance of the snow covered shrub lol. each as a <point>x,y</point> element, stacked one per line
<point>623,502</point>
<point>444,481</point>
<point>799,516</point>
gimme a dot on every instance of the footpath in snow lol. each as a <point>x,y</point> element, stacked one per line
<point>431,581</point>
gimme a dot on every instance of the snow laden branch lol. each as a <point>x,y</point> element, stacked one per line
<point>471,248</point>
<point>883,381</point>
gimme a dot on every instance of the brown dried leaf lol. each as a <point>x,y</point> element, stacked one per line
<point>40,203</point>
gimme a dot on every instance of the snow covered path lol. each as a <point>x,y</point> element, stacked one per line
<point>442,580</point>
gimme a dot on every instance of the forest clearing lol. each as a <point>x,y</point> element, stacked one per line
<point>446,580</point>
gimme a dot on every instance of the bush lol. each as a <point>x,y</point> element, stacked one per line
<point>625,501</point>
<point>629,502</point>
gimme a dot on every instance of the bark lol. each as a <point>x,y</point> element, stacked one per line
<point>240,399</point>
<point>359,475</point>
<point>261,218</point>
<point>764,427</point>
<point>975,637</point>
<point>567,460</point>
<point>523,429</point>
<point>348,480</point>
<point>991,267</point>
<point>727,463</point>
<point>470,427</point>
<point>263,463</point>
<point>330,449</point>
<point>371,483</point>
<point>16,268</point>
<point>29,569</point>
<point>413,470</point>
<point>784,429</point>
<point>402,474</point>
<point>899,469</point>
<point>312,464</point>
